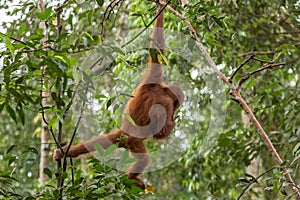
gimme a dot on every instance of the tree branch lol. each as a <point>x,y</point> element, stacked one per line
<point>263,67</point>
<point>60,179</point>
<point>47,46</point>
<point>239,67</point>
<point>109,10</point>
<point>255,180</point>
<point>254,53</point>
<point>147,26</point>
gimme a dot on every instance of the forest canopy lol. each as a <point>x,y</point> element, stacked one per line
<point>67,69</point>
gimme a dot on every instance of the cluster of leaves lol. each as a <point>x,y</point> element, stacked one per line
<point>11,166</point>
<point>103,181</point>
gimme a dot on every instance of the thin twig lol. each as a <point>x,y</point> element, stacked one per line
<point>138,34</point>
<point>109,10</point>
<point>263,67</point>
<point>49,47</point>
<point>255,180</point>
<point>239,67</point>
<point>72,170</point>
<point>60,7</point>
<point>118,11</point>
<point>254,53</point>
<point>147,26</point>
<point>262,60</point>
<point>17,40</point>
<point>72,138</point>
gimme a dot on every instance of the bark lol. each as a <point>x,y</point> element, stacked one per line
<point>45,147</point>
<point>45,136</point>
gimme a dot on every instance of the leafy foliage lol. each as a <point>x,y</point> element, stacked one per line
<point>232,31</point>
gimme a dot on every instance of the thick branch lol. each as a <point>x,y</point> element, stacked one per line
<point>267,141</point>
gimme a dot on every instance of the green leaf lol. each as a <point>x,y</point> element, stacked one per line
<point>218,21</point>
<point>100,2</point>
<point>9,178</point>
<point>1,107</point>
<point>110,150</point>
<point>152,53</point>
<point>89,35</point>
<point>244,180</point>
<point>118,49</point>
<point>10,148</point>
<point>128,182</point>
<point>90,17</point>
<point>99,148</point>
<point>21,115</point>
<point>251,83</point>
<point>48,12</point>
<point>34,37</point>
<point>11,112</point>
<point>131,160</point>
<point>40,16</point>
<point>56,193</point>
<point>22,29</point>
<point>110,101</point>
<point>10,46</point>
<point>63,36</point>
<point>125,156</point>
<point>99,40</point>
<point>128,117</point>
<point>48,172</point>
<point>135,190</point>
<point>99,96</point>
<point>191,43</point>
<point>31,149</point>
<point>44,15</point>
<point>11,159</point>
<point>52,121</point>
<point>163,59</point>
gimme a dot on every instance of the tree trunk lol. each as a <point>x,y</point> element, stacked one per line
<point>45,148</point>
